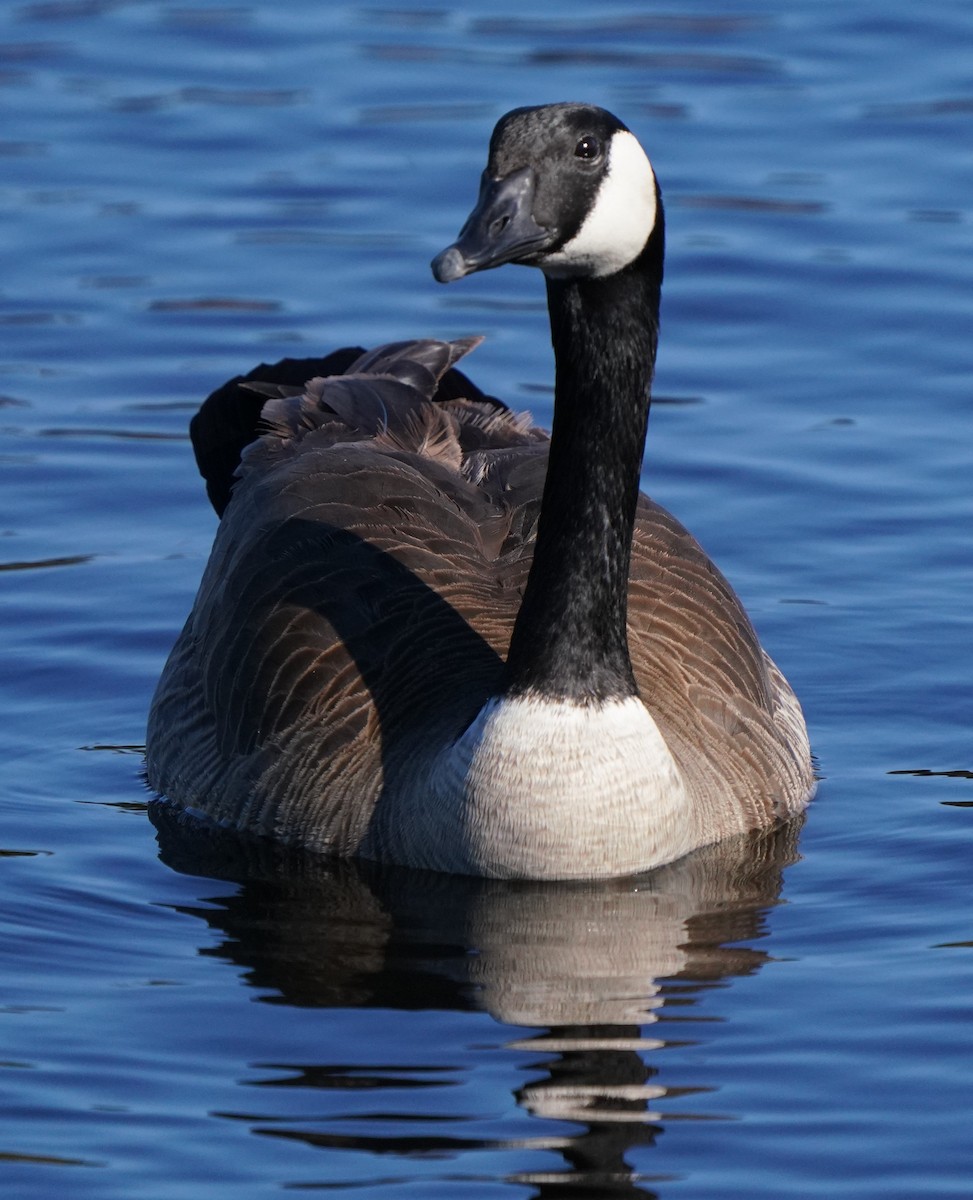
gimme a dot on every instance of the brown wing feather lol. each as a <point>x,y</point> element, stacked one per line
<point>360,582</point>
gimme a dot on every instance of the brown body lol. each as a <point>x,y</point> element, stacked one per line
<point>359,602</point>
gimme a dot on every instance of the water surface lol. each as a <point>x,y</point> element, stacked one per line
<point>188,190</point>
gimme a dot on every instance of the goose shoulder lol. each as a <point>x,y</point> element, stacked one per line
<point>722,704</point>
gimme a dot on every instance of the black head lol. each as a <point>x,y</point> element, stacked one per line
<point>567,188</point>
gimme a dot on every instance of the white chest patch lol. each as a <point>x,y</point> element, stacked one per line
<point>546,789</point>
<point>619,224</point>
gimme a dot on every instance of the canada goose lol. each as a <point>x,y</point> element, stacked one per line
<point>428,634</point>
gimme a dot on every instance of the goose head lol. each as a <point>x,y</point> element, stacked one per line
<point>567,188</point>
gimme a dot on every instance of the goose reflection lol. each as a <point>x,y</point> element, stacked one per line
<point>584,969</point>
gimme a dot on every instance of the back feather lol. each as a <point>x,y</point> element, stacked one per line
<point>230,417</point>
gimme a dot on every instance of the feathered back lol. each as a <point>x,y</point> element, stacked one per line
<point>233,416</point>
<point>392,400</point>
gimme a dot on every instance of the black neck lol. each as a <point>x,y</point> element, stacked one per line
<point>570,636</point>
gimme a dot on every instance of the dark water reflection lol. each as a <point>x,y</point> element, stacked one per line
<point>585,969</point>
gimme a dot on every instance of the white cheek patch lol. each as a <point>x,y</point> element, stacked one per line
<point>614,233</point>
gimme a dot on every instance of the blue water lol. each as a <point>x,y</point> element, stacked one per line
<point>188,189</point>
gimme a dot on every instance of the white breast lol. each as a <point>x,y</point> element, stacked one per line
<point>547,789</point>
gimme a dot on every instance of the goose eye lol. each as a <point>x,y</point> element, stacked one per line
<point>589,148</point>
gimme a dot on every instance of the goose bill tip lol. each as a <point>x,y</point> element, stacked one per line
<point>450,265</point>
